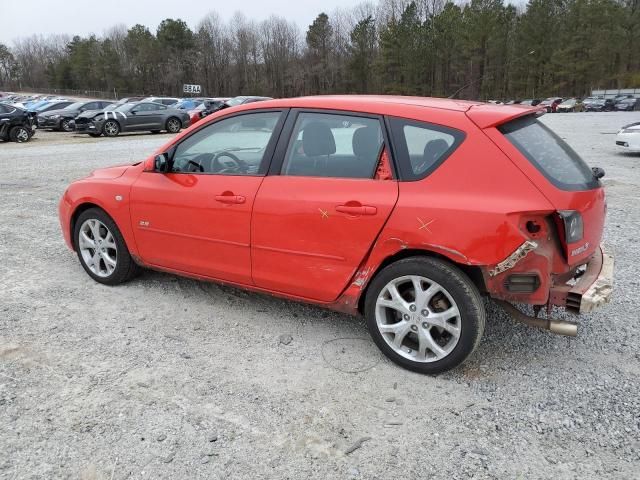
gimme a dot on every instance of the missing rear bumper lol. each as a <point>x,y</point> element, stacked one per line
<point>589,289</point>
<point>595,287</point>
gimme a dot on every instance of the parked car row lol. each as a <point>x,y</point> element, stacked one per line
<point>104,117</point>
<point>588,104</point>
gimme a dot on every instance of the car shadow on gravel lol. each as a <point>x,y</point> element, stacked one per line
<point>344,340</point>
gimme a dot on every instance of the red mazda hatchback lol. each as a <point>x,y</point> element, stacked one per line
<point>404,210</point>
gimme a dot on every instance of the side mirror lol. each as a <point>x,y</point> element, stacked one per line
<point>133,112</point>
<point>161,163</point>
<point>598,172</point>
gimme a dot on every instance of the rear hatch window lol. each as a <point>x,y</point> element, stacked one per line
<point>551,155</point>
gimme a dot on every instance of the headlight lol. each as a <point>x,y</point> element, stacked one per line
<point>54,116</point>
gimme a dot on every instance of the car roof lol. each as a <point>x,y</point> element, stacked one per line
<point>483,114</point>
<point>365,102</point>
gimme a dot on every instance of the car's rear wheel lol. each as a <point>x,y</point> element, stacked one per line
<point>173,125</point>
<point>19,134</point>
<point>111,128</point>
<point>65,125</point>
<point>101,248</point>
<point>424,314</point>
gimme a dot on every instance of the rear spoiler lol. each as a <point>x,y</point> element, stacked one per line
<point>489,115</point>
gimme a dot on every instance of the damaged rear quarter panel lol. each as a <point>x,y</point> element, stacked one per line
<point>469,210</point>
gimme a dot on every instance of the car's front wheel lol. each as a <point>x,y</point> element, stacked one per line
<point>101,248</point>
<point>65,125</point>
<point>424,314</point>
<point>173,125</point>
<point>19,134</point>
<point>111,128</point>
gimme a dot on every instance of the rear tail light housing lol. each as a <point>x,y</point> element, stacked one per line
<point>571,226</point>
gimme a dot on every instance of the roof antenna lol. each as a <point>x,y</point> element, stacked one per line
<point>453,95</point>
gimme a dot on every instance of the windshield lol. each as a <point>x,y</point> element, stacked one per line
<point>236,101</point>
<point>570,102</point>
<point>111,107</point>
<point>551,155</point>
<point>42,107</point>
<point>628,100</point>
<point>74,106</point>
<point>124,108</point>
<point>187,104</point>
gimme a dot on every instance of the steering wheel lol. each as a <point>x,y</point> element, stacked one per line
<point>196,164</point>
<point>232,165</point>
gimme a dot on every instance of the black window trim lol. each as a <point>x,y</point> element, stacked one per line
<point>282,147</point>
<point>268,151</point>
<point>402,153</point>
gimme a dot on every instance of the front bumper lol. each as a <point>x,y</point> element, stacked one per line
<point>592,289</point>
<point>64,216</point>
<point>86,127</point>
<point>48,122</point>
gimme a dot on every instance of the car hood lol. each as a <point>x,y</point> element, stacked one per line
<point>50,113</point>
<point>90,113</point>
<point>109,173</point>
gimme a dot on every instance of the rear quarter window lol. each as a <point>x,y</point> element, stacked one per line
<point>551,155</point>
<point>421,147</point>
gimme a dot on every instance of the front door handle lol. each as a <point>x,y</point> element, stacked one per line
<point>357,209</point>
<point>230,198</point>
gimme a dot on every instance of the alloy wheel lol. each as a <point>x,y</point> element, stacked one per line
<point>111,128</point>
<point>22,135</point>
<point>173,125</point>
<point>98,247</point>
<point>418,318</point>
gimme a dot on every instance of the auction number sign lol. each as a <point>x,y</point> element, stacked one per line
<point>191,88</point>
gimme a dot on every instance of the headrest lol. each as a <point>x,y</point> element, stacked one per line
<point>317,139</point>
<point>434,149</point>
<point>366,143</point>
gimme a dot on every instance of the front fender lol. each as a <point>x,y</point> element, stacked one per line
<point>111,195</point>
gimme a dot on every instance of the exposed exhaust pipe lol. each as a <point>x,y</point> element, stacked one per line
<point>560,327</point>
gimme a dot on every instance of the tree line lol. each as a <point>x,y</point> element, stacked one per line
<point>478,49</point>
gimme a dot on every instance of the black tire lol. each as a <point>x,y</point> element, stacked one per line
<point>125,268</point>
<point>19,134</point>
<point>173,125</point>
<point>472,316</point>
<point>111,128</point>
<point>65,125</point>
<point>95,135</point>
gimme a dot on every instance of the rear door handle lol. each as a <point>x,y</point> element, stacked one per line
<point>230,198</point>
<point>357,209</point>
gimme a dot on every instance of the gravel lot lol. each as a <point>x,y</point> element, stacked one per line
<point>172,378</point>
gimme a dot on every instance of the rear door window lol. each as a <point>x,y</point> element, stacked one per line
<point>551,155</point>
<point>333,145</point>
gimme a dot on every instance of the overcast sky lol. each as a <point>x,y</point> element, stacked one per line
<point>28,17</point>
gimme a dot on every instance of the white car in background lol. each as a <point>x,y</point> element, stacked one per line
<point>628,138</point>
